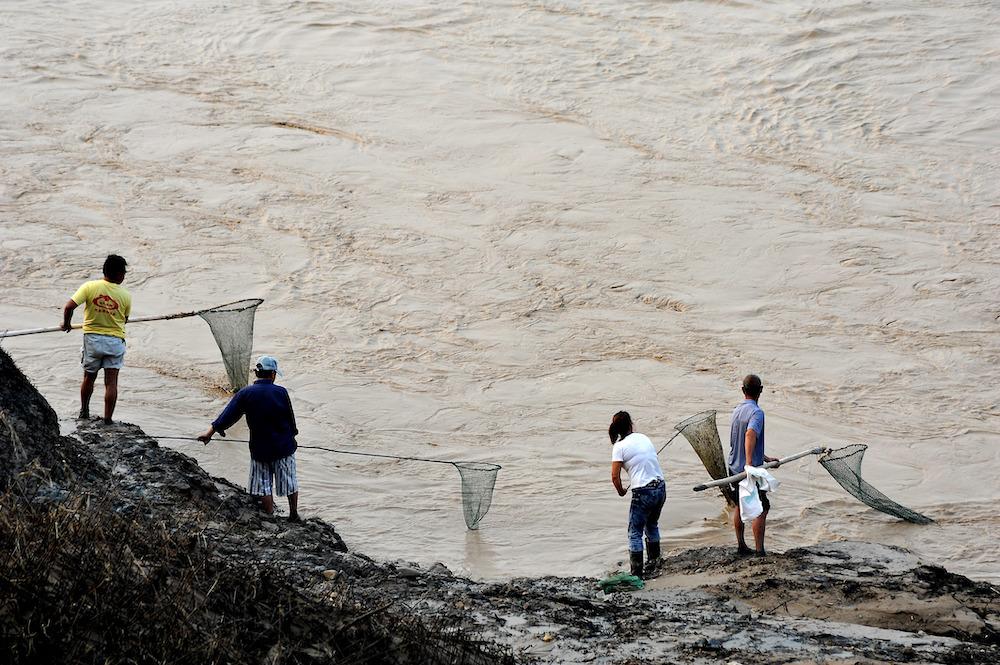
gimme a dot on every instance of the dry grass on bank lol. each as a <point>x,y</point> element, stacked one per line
<point>83,583</point>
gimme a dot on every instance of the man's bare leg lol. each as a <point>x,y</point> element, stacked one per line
<point>86,391</point>
<point>293,506</point>
<point>758,532</point>
<point>267,504</point>
<point>738,526</point>
<point>110,393</point>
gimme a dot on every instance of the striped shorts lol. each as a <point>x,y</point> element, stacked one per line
<point>277,477</point>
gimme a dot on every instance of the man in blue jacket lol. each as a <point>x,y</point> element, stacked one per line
<point>268,411</point>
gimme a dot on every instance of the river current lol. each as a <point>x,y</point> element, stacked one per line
<point>480,229</point>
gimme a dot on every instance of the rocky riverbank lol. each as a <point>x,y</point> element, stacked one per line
<point>163,534</point>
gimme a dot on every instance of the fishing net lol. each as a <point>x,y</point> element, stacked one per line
<point>232,327</point>
<point>844,464</point>
<point>478,479</point>
<point>701,432</point>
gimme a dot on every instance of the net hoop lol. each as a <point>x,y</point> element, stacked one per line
<point>477,466</point>
<point>696,419</point>
<point>836,454</point>
<point>235,306</point>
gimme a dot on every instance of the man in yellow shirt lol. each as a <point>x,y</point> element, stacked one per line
<point>107,308</point>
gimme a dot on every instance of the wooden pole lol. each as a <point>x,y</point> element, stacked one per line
<point>768,465</point>
<point>139,319</point>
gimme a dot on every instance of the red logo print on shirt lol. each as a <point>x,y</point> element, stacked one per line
<point>106,303</point>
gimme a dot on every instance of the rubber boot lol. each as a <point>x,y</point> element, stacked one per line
<point>653,557</point>
<point>635,563</point>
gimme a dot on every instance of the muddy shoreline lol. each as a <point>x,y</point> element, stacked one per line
<point>833,602</point>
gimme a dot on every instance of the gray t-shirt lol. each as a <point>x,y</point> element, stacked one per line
<point>747,415</point>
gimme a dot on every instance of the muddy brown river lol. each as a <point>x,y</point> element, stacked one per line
<point>480,229</point>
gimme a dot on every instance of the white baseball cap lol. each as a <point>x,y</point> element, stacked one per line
<point>268,364</point>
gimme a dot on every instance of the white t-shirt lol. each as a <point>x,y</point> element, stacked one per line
<point>638,456</point>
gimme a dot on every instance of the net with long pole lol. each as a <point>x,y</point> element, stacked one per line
<point>478,481</point>
<point>844,464</point>
<point>231,325</point>
<point>702,433</point>
<point>478,478</point>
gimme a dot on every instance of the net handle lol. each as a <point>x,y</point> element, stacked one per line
<point>664,446</point>
<point>138,319</point>
<point>768,465</point>
<point>342,452</point>
<point>412,459</point>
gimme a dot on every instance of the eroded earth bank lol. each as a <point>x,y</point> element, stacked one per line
<point>120,550</point>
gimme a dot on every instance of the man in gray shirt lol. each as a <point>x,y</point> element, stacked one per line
<point>746,446</point>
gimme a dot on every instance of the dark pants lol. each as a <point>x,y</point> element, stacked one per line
<point>644,515</point>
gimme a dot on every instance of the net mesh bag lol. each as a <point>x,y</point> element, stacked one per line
<point>232,327</point>
<point>478,479</point>
<point>702,433</point>
<point>844,464</point>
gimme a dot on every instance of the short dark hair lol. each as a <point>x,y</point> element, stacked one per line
<point>114,265</point>
<point>621,426</point>
<point>752,386</point>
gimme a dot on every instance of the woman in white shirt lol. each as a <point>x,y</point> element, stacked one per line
<point>635,452</point>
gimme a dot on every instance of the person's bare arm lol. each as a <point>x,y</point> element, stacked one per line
<point>68,309</point>
<point>616,477</point>
<point>749,444</point>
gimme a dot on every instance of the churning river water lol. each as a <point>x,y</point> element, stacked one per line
<point>481,228</point>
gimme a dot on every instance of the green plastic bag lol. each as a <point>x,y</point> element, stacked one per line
<point>620,582</point>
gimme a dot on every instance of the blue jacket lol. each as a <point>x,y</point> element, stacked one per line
<point>268,410</point>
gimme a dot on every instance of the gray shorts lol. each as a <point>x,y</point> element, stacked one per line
<point>277,477</point>
<point>102,352</point>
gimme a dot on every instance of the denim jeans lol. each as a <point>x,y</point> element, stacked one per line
<point>644,515</point>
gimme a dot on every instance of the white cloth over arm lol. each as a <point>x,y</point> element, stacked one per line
<point>758,479</point>
<point>765,481</point>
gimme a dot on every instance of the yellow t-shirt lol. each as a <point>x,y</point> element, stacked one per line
<point>108,306</point>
